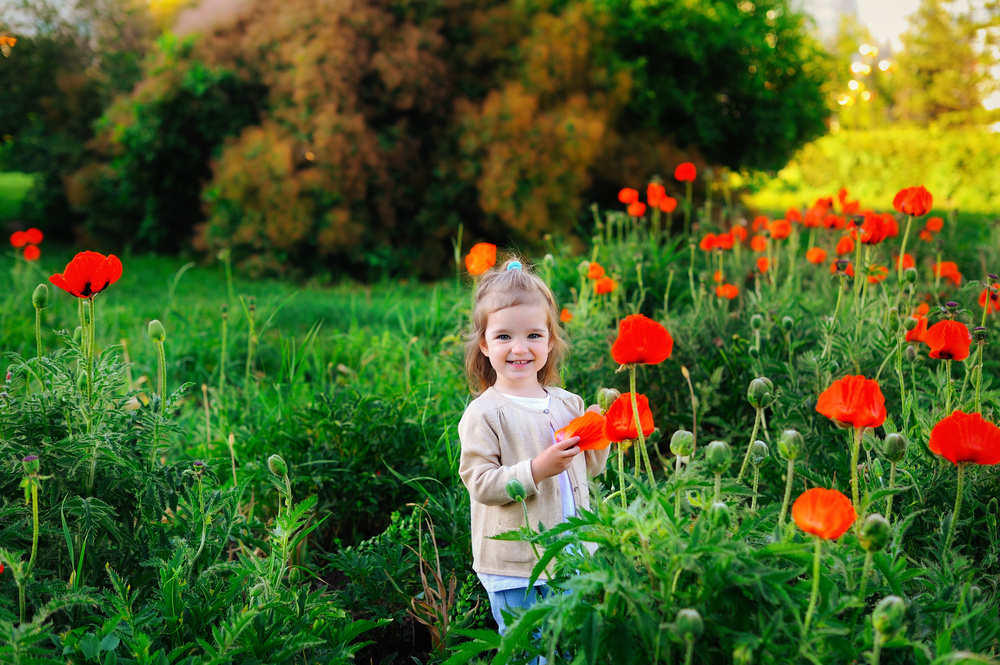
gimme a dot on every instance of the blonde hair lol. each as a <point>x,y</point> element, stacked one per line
<point>499,289</point>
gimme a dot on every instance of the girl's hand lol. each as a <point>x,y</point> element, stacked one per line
<point>555,459</point>
<point>596,408</point>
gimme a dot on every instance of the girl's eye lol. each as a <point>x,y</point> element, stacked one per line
<point>503,336</point>
<point>535,336</point>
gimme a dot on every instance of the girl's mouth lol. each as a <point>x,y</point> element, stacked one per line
<point>518,362</point>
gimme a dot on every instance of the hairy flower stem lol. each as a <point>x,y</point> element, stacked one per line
<point>958,505</point>
<point>892,486</point>
<point>677,493</point>
<point>902,254</point>
<point>876,648</point>
<point>949,388</point>
<point>753,437</point>
<point>621,474</point>
<point>979,378</point>
<point>718,486</point>
<point>38,332</point>
<point>34,526</point>
<point>833,321</point>
<point>689,650</point>
<point>527,525</point>
<point>687,208</point>
<point>694,294</point>
<point>789,475</point>
<point>756,479</point>
<point>857,432</point>
<point>641,453</point>
<point>815,587</point>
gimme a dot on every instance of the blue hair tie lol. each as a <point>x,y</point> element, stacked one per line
<point>514,265</point>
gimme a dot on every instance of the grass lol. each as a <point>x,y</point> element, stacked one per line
<point>13,187</point>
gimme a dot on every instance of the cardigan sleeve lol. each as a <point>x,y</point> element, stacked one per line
<point>479,465</point>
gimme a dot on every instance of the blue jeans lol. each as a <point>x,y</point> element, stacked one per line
<point>512,599</point>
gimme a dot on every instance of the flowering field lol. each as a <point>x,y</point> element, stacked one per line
<point>268,477</point>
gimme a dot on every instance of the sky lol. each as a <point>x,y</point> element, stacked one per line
<point>887,18</point>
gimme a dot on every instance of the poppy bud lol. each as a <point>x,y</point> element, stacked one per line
<point>682,443</point>
<point>86,311</point>
<point>911,322</point>
<point>877,468</point>
<point>842,265</point>
<point>868,438</point>
<point>690,624</point>
<point>993,278</point>
<point>257,590</point>
<point>893,319</point>
<point>759,453</point>
<point>78,335</point>
<point>276,465</point>
<point>975,593</point>
<point>979,334</point>
<point>223,254</point>
<point>718,513</point>
<point>787,323</point>
<point>583,267</point>
<point>199,467</point>
<point>887,617</point>
<point>790,444</point>
<point>951,305</point>
<point>718,455</point>
<point>81,382</point>
<point>156,331</point>
<point>756,321</point>
<point>910,275</point>
<point>654,436</point>
<point>515,490</point>
<point>31,464</point>
<point>40,298</point>
<point>606,397</point>
<point>894,447</point>
<point>993,506</point>
<point>911,353</point>
<point>754,352</point>
<point>760,394</point>
<point>875,533</point>
<point>548,259</point>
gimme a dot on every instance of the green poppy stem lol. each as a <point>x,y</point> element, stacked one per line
<point>815,586</point>
<point>753,437</point>
<point>948,388</point>
<point>621,474</point>
<point>789,474</point>
<point>687,207</point>
<point>892,486</point>
<point>640,453</point>
<point>902,254</point>
<point>958,505</point>
<point>979,378</point>
<point>756,479</point>
<point>677,493</point>
<point>857,433</point>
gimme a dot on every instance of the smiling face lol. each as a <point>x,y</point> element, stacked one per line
<point>517,342</point>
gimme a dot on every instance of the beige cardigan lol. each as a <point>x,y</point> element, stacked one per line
<point>499,439</point>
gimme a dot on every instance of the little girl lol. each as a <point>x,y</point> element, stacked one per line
<point>512,356</point>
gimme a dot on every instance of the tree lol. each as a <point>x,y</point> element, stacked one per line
<point>946,65</point>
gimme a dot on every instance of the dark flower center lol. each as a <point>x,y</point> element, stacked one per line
<point>945,355</point>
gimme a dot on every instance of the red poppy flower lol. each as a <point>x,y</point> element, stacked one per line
<point>707,243</point>
<point>966,437</point>
<point>793,215</point>
<point>908,261</point>
<point>668,204</point>
<point>636,209</point>
<point>565,315</point>
<point>739,233</point>
<point>88,274</point>
<point>877,273</point>
<point>891,225</point>
<point>990,299</point>
<point>914,201</point>
<point>926,236</point>
<point>31,253</point>
<point>816,255</point>
<point>844,246</point>
<point>849,270</point>
<point>949,340</point>
<point>814,218</point>
<point>604,285</point>
<point>481,258</point>
<point>724,241</point>
<point>873,229</point>
<point>760,223</point>
<point>34,236</point>
<point>762,264</point>
<point>718,277</point>
<point>685,172</point>
<point>853,400</point>
<point>619,421</point>
<point>641,340</point>
<point>590,428</point>
<point>654,194</point>
<point>919,331</point>
<point>948,270</point>
<point>758,243</point>
<point>834,222</point>
<point>19,239</point>
<point>825,513</point>
<point>727,291</point>
<point>1,569</point>
<point>628,195</point>
<point>780,229</point>
<point>923,309</point>
<point>934,224</point>
<point>595,271</point>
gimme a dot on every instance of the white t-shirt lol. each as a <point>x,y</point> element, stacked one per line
<point>494,583</point>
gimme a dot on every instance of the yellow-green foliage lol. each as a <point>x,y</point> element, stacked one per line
<point>959,165</point>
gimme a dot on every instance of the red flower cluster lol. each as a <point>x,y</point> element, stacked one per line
<point>727,291</point>
<point>656,198</point>
<point>28,242</point>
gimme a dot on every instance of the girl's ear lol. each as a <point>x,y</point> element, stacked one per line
<point>484,347</point>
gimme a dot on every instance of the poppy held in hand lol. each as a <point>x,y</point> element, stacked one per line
<point>966,437</point>
<point>619,421</point>
<point>685,172</point>
<point>641,340</point>
<point>88,274</point>
<point>590,428</point>
<point>914,201</point>
<point>481,258</point>
<point>824,513</point>
<point>853,400</point>
<point>949,340</point>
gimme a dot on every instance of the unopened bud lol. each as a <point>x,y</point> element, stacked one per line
<point>790,444</point>
<point>81,381</point>
<point>583,267</point>
<point>718,513</point>
<point>894,447</point>
<point>756,321</point>
<point>753,352</point>
<point>975,594</point>
<point>743,655</point>
<point>718,455</point>
<point>654,436</point>
<point>515,490</point>
<point>606,397</point>
<point>979,334</point>
<point>911,353</point>
<point>759,453</point>
<point>787,323</point>
<point>31,464</point>
<point>951,305</point>
<point>760,394</point>
<point>156,331</point>
<point>690,624</point>
<point>910,275</point>
<point>875,532</point>
<point>682,443</point>
<point>276,465</point>
<point>993,506</point>
<point>911,322</point>
<point>887,617</point>
<point>40,298</point>
<point>78,335</point>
